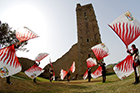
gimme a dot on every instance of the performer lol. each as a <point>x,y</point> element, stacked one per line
<point>16,46</point>
<point>37,63</point>
<point>51,74</point>
<point>102,64</point>
<point>89,74</point>
<point>68,76</point>
<point>8,80</point>
<point>135,53</point>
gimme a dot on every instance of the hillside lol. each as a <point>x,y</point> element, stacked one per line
<point>23,84</point>
<point>25,63</point>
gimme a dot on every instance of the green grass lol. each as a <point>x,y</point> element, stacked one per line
<point>42,79</point>
<point>23,84</point>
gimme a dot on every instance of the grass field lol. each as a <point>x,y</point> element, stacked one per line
<point>23,84</point>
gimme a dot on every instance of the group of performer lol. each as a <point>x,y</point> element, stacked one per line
<point>134,52</point>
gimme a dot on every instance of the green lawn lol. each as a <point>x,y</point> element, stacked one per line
<point>23,84</point>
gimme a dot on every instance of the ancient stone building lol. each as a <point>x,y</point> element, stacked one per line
<point>88,36</point>
<point>88,33</point>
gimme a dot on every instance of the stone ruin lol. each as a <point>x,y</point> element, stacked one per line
<point>88,36</point>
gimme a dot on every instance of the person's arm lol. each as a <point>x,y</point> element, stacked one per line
<point>134,52</point>
<point>98,62</point>
<point>128,50</point>
<point>17,45</point>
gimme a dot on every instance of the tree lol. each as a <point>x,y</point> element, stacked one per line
<point>8,37</point>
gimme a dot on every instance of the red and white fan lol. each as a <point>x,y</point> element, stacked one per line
<point>85,75</point>
<point>90,63</point>
<point>41,56</point>
<point>97,72</point>
<point>9,64</point>
<point>24,33</point>
<point>34,71</point>
<point>124,68</point>
<point>63,73</point>
<point>126,27</point>
<point>100,51</point>
<point>72,68</point>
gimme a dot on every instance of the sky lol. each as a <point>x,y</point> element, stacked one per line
<point>55,22</point>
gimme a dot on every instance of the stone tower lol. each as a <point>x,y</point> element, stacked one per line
<point>88,33</point>
<point>88,36</point>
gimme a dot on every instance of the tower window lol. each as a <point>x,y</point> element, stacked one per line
<point>88,55</point>
<point>87,40</point>
<point>85,16</point>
